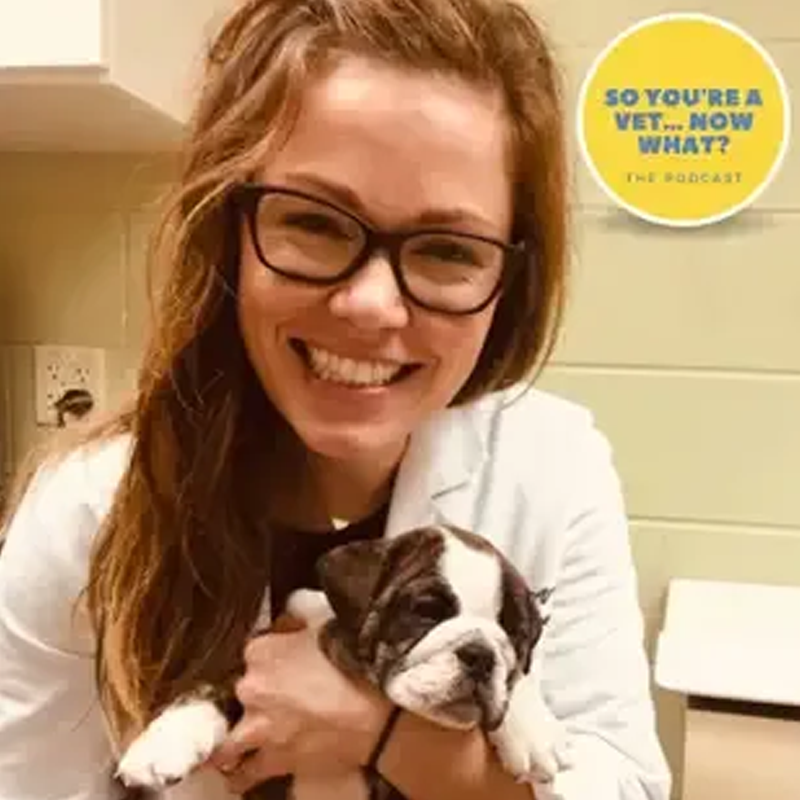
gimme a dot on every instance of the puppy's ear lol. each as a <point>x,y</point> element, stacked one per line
<point>350,575</point>
<point>520,617</point>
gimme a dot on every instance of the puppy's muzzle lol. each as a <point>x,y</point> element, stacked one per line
<point>479,664</point>
<point>478,661</point>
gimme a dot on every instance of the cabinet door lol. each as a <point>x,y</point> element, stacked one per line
<point>740,757</point>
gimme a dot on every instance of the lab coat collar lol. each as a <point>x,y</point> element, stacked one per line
<point>443,457</point>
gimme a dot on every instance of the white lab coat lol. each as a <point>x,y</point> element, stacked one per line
<point>529,471</point>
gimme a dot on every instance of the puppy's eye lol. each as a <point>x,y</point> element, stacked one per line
<point>430,607</point>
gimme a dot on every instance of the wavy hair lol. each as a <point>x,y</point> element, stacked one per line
<point>180,565</point>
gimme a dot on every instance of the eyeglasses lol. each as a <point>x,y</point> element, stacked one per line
<point>307,239</point>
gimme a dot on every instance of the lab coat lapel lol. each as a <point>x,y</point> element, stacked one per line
<point>441,461</point>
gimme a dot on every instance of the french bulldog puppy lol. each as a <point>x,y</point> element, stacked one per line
<point>436,618</point>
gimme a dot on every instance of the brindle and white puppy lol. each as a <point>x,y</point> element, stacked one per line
<point>437,619</point>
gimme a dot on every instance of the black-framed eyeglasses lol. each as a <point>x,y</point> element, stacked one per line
<point>310,240</point>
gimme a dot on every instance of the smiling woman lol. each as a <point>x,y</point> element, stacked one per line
<point>366,270</point>
<point>362,324</point>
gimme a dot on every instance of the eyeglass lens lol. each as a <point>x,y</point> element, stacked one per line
<point>309,240</point>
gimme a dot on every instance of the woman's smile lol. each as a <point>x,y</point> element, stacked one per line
<point>356,372</point>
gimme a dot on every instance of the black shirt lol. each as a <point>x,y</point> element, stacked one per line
<point>295,554</point>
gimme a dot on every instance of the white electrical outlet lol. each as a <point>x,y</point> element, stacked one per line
<point>61,368</point>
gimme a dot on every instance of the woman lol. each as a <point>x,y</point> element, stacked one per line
<point>366,267</point>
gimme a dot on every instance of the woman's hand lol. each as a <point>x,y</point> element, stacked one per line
<point>301,714</point>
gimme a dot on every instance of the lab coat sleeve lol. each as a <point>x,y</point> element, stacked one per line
<point>595,674</point>
<point>53,741</point>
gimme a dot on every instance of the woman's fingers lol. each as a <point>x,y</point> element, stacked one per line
<point>245,739</point>
<point>287,624</point>
<point>256,767</point>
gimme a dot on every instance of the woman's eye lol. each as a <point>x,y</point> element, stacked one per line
<point>450,252</point>
<point>315,223</point>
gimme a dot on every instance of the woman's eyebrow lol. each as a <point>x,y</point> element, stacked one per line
<point>341,194</point>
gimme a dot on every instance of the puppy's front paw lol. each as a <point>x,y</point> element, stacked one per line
<point>174,744</point>
<point>530,742</point>
<point>310,606</point>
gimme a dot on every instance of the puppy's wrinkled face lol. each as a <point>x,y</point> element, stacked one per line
<point>437,618</point>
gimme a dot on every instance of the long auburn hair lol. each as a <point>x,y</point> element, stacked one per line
<point>179,568</point>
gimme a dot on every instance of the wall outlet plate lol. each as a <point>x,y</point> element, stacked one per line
<point>58,369</point>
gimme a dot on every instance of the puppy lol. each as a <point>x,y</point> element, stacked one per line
<point>437,619</point>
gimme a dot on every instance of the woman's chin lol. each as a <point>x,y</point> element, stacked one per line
<point>358,444</point>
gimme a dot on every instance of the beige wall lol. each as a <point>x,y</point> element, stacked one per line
<point>685,343</point>
<point>72,237</point>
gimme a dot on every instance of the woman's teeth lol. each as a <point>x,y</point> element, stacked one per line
<point>330,367</point>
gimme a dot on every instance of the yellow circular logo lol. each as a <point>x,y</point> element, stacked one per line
<point>683,119</point>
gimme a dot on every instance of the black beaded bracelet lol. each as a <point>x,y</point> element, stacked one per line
<point>377,751</point>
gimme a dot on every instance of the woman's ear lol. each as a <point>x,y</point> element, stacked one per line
<point>350,576</point>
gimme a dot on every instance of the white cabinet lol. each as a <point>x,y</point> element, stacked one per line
<point>733,651</point>
<point>100,75</point>
<point>49,33</point>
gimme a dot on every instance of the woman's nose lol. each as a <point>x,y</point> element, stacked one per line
<point>371,298</point>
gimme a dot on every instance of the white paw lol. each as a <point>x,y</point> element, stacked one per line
<point>310,606</point>
<point>174,744</point>
<point>530,742</point>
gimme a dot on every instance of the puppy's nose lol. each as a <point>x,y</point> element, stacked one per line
<point>477,659</point>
